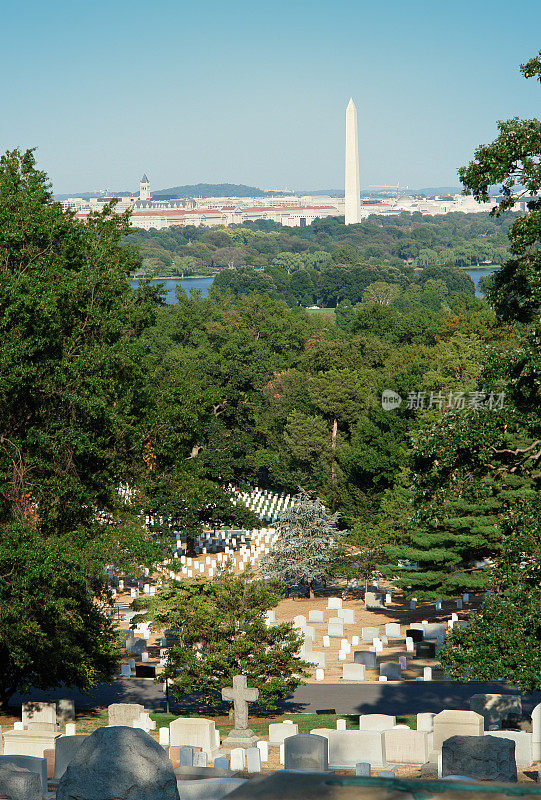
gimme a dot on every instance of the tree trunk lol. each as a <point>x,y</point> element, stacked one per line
<point>333,447</point>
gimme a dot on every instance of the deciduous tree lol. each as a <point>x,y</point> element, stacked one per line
<point>220,631</point>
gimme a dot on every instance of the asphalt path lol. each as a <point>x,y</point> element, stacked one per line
<point>405,697</point>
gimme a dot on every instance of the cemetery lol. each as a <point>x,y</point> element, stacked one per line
<point>351,636</point>
<point>54,752</point>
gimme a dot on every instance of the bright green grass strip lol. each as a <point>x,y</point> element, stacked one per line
<point>306,722</point>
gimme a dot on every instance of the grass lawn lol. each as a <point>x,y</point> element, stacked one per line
<point>86,723</point>
<point>328,314</point>
<point>306,722</point>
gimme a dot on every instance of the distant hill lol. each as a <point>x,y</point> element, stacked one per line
<point>213,190</point>
<point>191,190</point>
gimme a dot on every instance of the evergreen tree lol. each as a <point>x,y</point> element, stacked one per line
<point>461,494</point>
<point>504,638</point>
<point>306,547</point>
<point>221,632</point>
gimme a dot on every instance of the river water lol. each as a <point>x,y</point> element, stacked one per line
<point>203,284</point>
<point>476,274</point>
<point>188,284</point>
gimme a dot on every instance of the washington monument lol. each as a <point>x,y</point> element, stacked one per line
<point>353,189</point>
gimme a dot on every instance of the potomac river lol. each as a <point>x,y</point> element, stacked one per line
<point>203,284</point>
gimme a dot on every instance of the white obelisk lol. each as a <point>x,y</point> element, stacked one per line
<point>352,188</point>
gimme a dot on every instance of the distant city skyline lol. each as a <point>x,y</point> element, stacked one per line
<point>255,94</point>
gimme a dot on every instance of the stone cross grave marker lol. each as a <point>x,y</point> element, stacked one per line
<point>240,695</point>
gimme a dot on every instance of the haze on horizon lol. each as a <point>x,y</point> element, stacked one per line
<point>256,94</point>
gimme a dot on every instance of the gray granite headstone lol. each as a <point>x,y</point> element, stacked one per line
<point>363,769</point>
<point>386,773</point>
<point>222,763</point>
<point>186,756</point>
<point>16,782</point>
<point>119,762</point>
<point>485,758</point>
<point>31,763</point>
<point>306,752</point>
<point>66,748</point>
<point>391,670</point>
<point>365,657</point>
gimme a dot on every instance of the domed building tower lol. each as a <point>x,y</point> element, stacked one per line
<point>144,188</point>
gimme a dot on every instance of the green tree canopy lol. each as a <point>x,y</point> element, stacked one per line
<point>220,631</point>
<point>72,404</point>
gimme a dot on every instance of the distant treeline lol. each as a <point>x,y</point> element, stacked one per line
<point>299,262</point>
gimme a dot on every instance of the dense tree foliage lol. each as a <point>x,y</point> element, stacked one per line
<point>71,405</point>
<point>219,630</point>
<point>245,390</point>
<point>302,265</point>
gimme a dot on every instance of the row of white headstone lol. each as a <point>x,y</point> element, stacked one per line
<point>241,554</point>
<point>267,505</point>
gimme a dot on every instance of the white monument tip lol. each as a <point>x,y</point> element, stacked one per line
<point>351,104</point>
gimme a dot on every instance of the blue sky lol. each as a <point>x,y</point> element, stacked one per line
<point>255,92</point>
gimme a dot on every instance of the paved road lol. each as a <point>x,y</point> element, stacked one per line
<point>407,697</point>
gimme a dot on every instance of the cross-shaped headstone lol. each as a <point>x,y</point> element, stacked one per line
<point>241,696</point>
